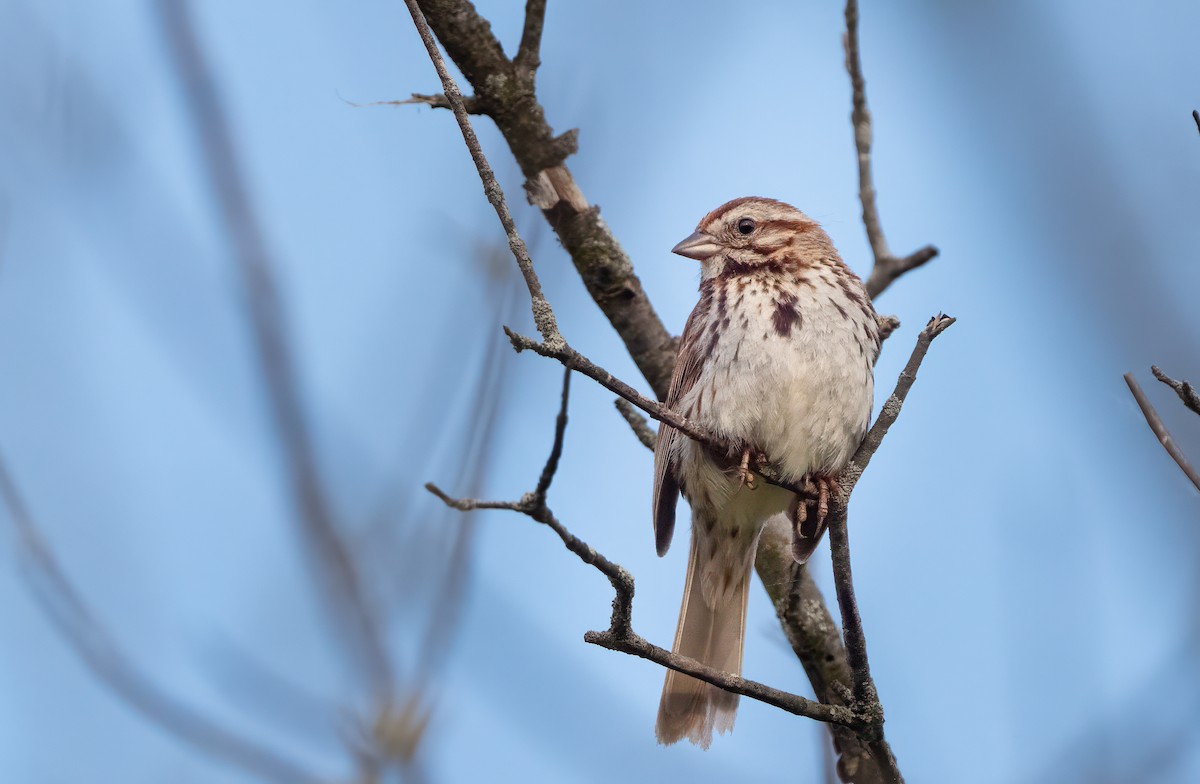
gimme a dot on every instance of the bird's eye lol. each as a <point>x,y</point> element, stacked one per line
<point>745,226</point>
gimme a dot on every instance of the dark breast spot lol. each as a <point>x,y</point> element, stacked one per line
<point>786,315</point>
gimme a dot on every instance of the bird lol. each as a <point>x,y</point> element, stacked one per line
<point>777,361</point>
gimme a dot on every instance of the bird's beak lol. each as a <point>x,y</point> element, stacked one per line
<point>698,246</point>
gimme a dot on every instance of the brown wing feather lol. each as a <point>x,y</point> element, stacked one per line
<point>688,363</point>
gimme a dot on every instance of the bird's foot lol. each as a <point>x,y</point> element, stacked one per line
<point>745,475</point>
<point>807,528</point>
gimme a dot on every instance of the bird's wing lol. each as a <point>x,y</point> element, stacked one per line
<point>688,363</point>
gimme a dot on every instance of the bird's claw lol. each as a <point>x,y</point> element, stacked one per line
<point>819,488</point>
<point>745,475</point>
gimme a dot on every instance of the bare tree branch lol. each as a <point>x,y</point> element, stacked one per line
<point>887,267</point>
<point>560,429</point>
<point>1186,392</point>
<point>1160,430</point>
<point>92,642</point>
<point>528,56</point>
<point>891,407</point>
<point>364,639</point>
<point>887,325</point>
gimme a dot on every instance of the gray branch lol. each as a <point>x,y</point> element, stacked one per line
<point>364,639</point>
<point>887,267</point>
<point>1160,430</point>
<point>1186,392</point>
<point>528,57</point>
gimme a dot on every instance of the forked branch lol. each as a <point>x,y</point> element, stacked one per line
<point>887,267</point>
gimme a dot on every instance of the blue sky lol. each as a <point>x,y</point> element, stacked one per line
<point>1024,551</point>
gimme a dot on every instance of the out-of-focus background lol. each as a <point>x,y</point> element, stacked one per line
<point>1026,554</point>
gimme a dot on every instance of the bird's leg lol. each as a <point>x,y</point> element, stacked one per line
<point>818,488</point>
<point>745,475</point>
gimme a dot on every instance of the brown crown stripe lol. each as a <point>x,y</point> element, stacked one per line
<point>725,209</point>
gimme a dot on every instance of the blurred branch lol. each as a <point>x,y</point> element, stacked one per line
<point>887,267</point>
<point>349,608</point>
<point>1160,430</point>
<point>485,404</point>
<point>1186,392</point>
<point>437,101</point>
<point>92,642</point>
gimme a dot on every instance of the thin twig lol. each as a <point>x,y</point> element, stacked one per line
<point>92,642</point>
<point>578,362</point>
<point>891,408</point>
<point>1160,430</point>
<point>528,56</point>
<point>887,325</point>
<point>445,612</point>
<point>365,640</point>
<point>852,629</point>
<point>435,100</point>
<point>887,267</point>
<point>560,429</point>
<point>799,706</point>
<point>1187,392</point>
<point>543,315</point>
<point>621,637</point>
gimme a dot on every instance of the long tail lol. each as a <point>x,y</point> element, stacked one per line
<point>714,636</point>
